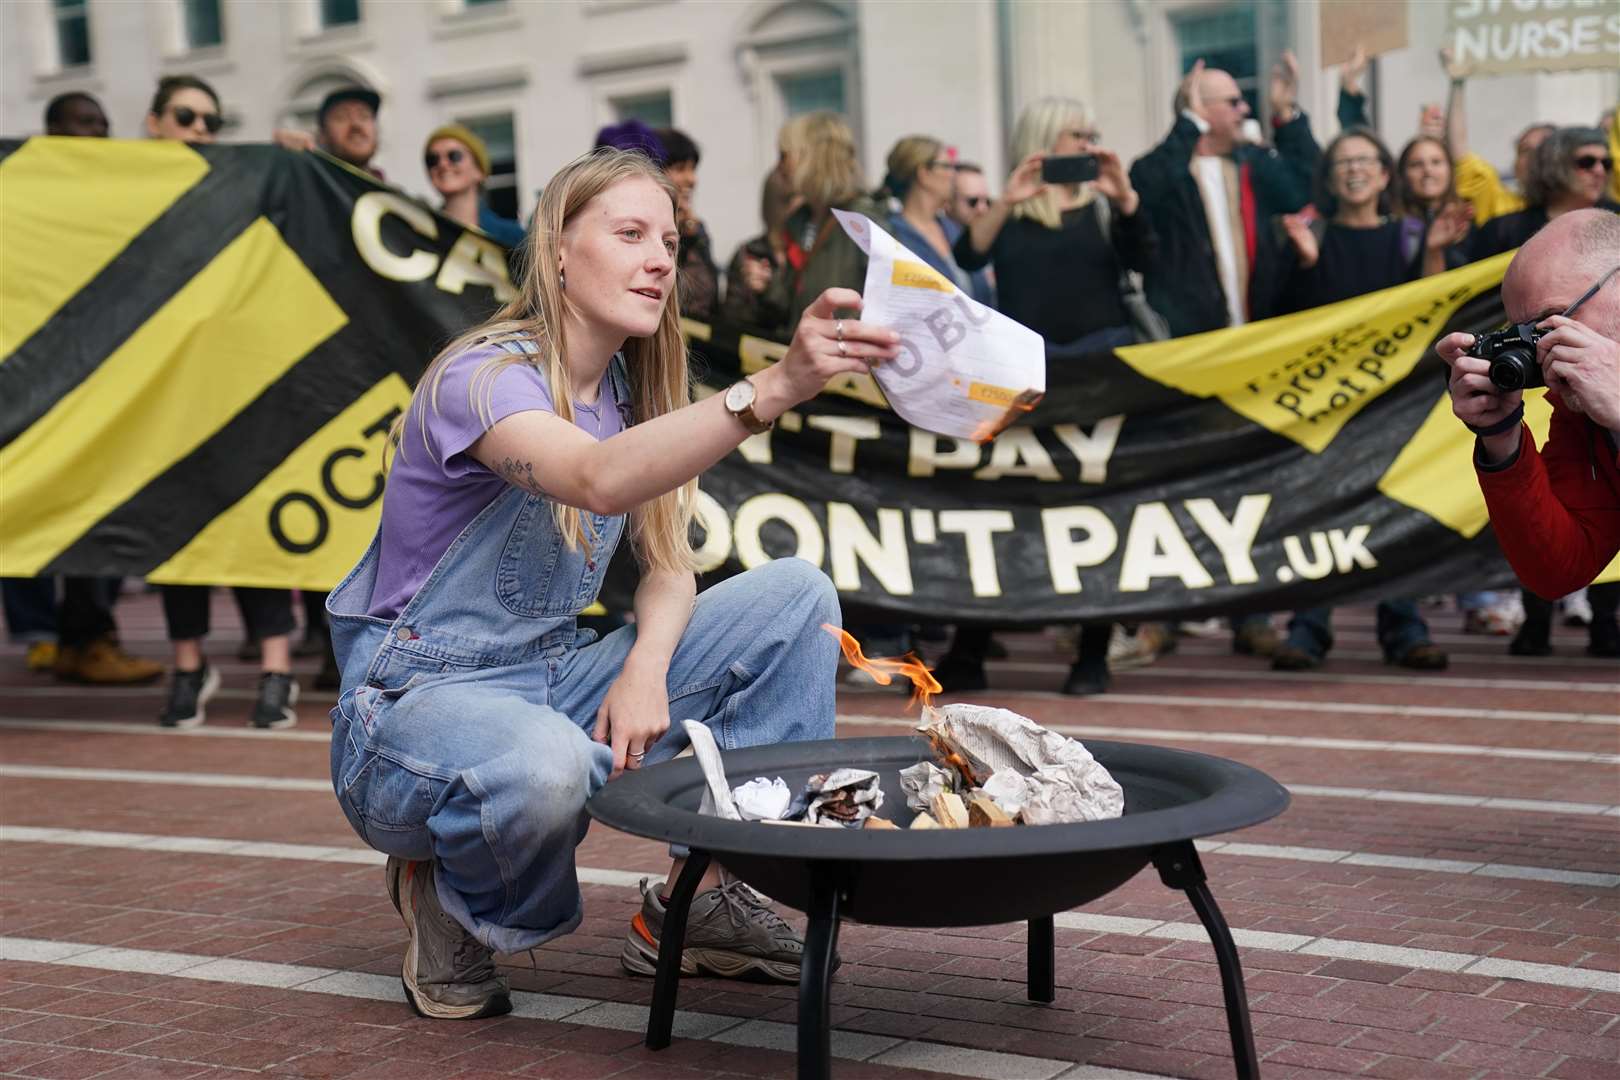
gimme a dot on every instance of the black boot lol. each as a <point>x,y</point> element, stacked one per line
<point>1089,673</point>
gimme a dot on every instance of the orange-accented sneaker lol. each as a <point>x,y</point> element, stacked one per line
<point>730,931</point>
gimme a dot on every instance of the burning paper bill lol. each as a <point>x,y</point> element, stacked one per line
<point>964,369</point>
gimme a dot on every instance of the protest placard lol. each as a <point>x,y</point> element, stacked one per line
<point>1379,26</point>
<point>1498,37</point>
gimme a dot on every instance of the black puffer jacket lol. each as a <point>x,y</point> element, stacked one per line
<point>1184,283</point>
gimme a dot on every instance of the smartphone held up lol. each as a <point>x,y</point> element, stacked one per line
<point>1069,169</point>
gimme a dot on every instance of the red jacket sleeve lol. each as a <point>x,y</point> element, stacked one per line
<point>1556,511</point>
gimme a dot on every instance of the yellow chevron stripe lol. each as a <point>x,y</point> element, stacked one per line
<point>232,331</point>
<point>1434,472</point>
<point>61,221</point>
<point>1306,375</point>
<point>238,546</point>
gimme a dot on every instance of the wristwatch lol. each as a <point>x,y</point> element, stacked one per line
<point>740,402</point>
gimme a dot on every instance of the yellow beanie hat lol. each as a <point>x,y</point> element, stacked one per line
<point>473,143</point>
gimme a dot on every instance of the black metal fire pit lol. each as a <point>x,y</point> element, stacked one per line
<point>955,877</point>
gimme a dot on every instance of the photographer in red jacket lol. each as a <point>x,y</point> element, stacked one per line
<point>1556,511</point>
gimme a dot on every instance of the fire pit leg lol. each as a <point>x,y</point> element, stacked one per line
<point>815,978</point>
<point>667,980</point>
<point>1042,974</point>
<point>1179,868</point>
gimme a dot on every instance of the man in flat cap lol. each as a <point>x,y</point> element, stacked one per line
<point>346,128</point>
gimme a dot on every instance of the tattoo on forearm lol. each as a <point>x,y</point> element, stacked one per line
<point>520,473</point>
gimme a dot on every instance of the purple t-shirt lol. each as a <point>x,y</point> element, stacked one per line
<point>434,491</point>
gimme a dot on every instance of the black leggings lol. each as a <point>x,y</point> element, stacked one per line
<point>266,612</point>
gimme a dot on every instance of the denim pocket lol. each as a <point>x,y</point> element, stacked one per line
<point>539,576</point>
<point>388,805</point>
<point>524,579</point>
<point>370,702</point>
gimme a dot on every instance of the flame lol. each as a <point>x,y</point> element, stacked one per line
<point>884,668</point>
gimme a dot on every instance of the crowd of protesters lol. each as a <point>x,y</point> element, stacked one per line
<point>1218,225</point>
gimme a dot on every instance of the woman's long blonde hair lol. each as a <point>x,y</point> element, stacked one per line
<point>656,365</point>
<point>1037,131</point>
<point>826,170</point>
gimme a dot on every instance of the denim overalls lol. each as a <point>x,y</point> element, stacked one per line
<point>462,733</point>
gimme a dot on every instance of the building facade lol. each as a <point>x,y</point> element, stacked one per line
<point>537,78</point>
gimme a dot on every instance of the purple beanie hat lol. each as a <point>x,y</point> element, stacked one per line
<point>632,135</point>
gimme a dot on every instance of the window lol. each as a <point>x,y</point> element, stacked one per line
<point>813,91</point>
<point>72,32</point>
<point>654,109</point>
<point>501,186</point>
<point>339,12</point>
<point>1225,39</point>
<point>204,25</point>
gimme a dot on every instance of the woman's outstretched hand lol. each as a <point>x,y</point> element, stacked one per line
<point>825,346</point>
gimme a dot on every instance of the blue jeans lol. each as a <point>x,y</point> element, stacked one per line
<point>1400,629</point>
<point>487,771</point>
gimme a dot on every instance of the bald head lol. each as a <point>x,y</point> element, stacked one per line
<point>1221,104</point>
<point>1560,263</point>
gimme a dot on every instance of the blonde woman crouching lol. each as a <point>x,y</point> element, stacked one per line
<point>475,719</point>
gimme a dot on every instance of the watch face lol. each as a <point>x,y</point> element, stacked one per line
<point>740,396</point>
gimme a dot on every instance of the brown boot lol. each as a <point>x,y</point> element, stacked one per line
<point>103,662</point>
<point>1256,639</point>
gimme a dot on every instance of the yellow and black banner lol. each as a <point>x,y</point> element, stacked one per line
<point>202,349</point>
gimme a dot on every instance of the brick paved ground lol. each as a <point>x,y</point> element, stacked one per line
<point>1442,899</point>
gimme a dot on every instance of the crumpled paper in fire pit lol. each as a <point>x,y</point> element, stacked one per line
<point>921,782</point>
<point>763,800</point>
<point>1057,777</point>
<point>843,797</point>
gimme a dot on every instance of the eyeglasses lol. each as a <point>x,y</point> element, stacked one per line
<point>976,201</point>
<point>1588,162</point>
<point>431,158</point>
<point>1084,136</point>
<point>942,163</point>
<point>1362,161</point>
<point>186,116</point>
<point>1589,293</point>
<point>1236,102</point>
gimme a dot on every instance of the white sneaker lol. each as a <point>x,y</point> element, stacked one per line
<point>1577,609</point>
<point>1126,651</point>
<point>1202,628</point>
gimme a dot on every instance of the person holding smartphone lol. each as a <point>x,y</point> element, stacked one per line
<point>1058,254</point>
<point>1066,227</point>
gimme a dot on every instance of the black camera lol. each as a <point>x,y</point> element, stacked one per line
<point>1512,356</point>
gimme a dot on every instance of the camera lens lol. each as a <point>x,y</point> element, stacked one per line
<point>1516,369</point>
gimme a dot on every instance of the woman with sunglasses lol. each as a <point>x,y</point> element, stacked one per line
<point>186,109</point>
<point>1570,171</point>
<point>922,178</point>
<point>457,163</point>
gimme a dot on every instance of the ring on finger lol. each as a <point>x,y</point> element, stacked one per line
<point>839,328</point>
<point>841,350</point>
